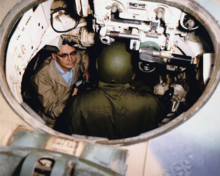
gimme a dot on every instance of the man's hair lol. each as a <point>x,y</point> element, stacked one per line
<point>68,41</point>
<point>65,41</point>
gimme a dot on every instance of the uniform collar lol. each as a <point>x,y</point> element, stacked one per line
<point>60,70</point>
<point>113,86</point>
<point>55,74</point>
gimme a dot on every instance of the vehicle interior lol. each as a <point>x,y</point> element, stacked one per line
<point>174,53</point>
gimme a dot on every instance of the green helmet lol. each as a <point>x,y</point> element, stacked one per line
<point>115,64</point>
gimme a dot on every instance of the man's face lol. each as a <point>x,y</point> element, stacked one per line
<point>66,57</point>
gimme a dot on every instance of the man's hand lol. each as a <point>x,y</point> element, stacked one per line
<point>75,90</point>
<point>86,73</point>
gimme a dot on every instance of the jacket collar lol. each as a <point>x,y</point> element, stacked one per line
<point>56,75</point>
<point>60,70</point>
<point>113,86</point>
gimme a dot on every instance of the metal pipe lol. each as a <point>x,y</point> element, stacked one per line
<point>174,59</point>
<point>162,54</point>
<point>120,35</point>
<point>180,60</point>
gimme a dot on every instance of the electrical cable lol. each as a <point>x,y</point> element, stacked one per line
<point>51,21</point>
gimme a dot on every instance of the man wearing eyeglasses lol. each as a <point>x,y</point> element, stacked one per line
<point>54,80</point>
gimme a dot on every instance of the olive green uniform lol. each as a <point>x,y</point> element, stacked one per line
<point>113,111</point>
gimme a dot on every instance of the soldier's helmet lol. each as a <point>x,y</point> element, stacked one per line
<point>115,64</point>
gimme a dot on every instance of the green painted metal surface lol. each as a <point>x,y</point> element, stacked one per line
<point>16,161</point>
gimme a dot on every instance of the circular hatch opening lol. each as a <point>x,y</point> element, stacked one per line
<point>206,38</point>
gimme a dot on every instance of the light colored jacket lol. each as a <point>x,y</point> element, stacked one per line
<point>52,90</point>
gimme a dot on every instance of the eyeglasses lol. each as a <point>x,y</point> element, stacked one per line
<point>65,56</point>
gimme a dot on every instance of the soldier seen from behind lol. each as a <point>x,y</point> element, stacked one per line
<point>113,109</point>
